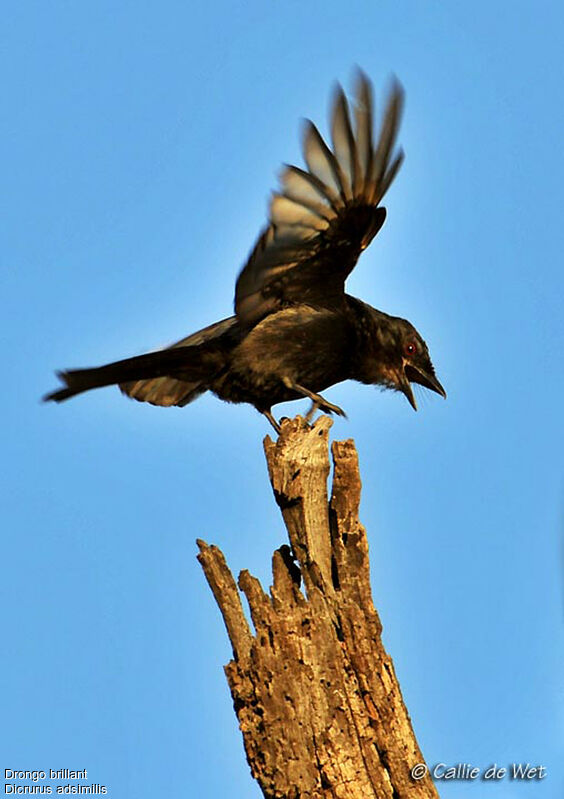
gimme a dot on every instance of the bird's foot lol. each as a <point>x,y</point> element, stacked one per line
<point>325,407</point>
<point>328,407</point>
<point>318,402</point>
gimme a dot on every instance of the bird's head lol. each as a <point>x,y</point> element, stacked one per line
<point>410,362</point>
<point>395,356</point>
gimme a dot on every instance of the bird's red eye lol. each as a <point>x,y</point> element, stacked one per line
<point>410,348</point>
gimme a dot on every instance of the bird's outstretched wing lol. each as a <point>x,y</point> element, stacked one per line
<point>169,391</point>
<point>325,215</point>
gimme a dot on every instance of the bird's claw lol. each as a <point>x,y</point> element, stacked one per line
<point>328,407</point>
<point>318,402</point>
<point>324,407</point>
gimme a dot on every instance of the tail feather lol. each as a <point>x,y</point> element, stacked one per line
<point>191,364</point>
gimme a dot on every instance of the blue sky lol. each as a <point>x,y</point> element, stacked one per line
<point>140,142</point>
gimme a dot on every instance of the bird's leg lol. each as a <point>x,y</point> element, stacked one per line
<point>312,410</point>
<point>318,401</point>
<point>272,420</point>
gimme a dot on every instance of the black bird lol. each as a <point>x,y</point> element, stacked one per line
<point>295,332</point>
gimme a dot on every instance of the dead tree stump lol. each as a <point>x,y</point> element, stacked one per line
<point>316,694</point>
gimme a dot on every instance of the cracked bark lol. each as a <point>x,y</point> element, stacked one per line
<point>315,692</point>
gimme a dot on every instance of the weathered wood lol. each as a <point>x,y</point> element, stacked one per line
<point>316,694</point>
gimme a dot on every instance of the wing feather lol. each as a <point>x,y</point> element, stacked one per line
<point>167,391</point>
<point>390,126</point>
<point>321,162</point>
<point>364,117</point>
<point>307,189</point>
<point>285,212</point>
<point>322,217</point>
<point>344,145</point>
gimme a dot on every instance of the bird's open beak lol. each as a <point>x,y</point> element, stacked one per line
<point>413,374</point>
